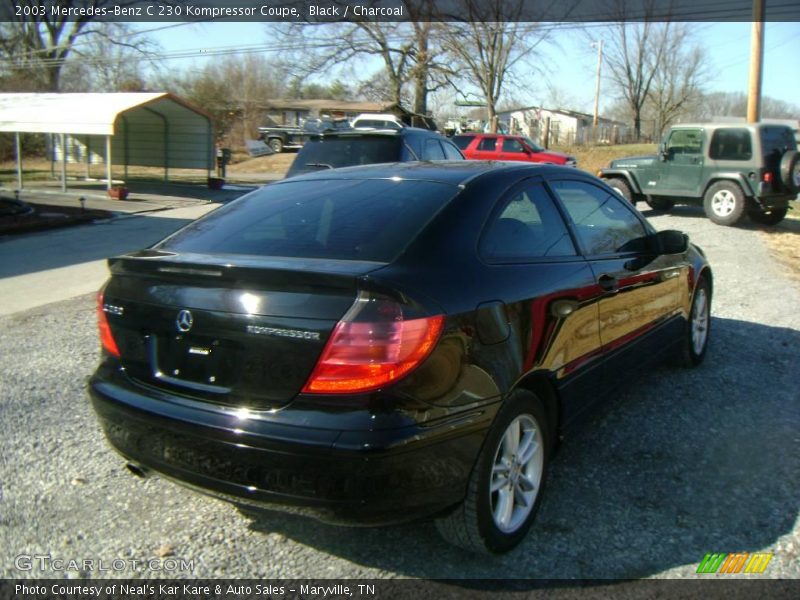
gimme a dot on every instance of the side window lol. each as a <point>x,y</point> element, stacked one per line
<point>462,141</point>
<point>512,145</point>
<point>685,141</point>
<point>488,144</point>
<point>731,144</point>
<point>527,226</point>
<point>603,222</point>
<point>451,152</point>
<point>432,150</point>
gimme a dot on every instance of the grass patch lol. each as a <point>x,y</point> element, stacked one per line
<point>38,169</point>
<point>783,241</point>
<point>592,158</point>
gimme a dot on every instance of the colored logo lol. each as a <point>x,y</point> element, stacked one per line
<point>736,562</point>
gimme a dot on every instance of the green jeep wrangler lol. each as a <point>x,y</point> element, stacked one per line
<point>734,170</point>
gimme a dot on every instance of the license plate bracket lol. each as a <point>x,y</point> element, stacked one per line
<point>195,362</point>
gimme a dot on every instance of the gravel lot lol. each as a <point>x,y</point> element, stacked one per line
<point>680,464</point>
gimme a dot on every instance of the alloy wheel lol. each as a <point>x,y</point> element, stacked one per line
<point>700,321</point>
<point>516,473</point>
<point>723,203</point>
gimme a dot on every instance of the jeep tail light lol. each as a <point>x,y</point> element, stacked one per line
<point>372,346</point>
<point>106,339</point>
<point>767,177</point>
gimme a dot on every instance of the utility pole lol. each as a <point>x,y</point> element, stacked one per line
<point>597,84</point>
<point>756,63</point>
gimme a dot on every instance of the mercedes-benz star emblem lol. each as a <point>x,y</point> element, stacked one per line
<point>184,321</point>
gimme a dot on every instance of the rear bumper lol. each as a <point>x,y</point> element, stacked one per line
<point>775,201</point>
<point>345,477</point>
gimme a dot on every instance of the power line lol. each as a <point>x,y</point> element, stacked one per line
<point>324,43</point>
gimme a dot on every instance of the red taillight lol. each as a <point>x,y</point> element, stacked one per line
<point>767,177</point>
<point>372,346</point>
<point>106,339</point>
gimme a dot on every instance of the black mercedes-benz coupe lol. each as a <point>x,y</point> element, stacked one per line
<point>377,344</point>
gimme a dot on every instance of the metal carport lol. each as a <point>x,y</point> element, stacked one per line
<point>130,129</point>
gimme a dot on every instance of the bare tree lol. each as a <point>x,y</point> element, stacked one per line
<point>378,88</point>
<point>484,50</point>
<point>234,90</point>
<point>408,51</point>
<point>321,47</point>
<point>734,104</point>
<point>678,81</point>
<point>34,49</point>
<point>634,53</point>
<point>104,63</point>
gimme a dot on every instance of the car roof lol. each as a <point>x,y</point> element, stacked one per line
<point>720,124</point>
<point>455,172</point>
<point>377,116</point>
<point>478,133</point>
<point>403,132</point>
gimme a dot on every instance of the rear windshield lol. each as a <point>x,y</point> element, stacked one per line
<point>777,140</point>
<point>462,141</point>
<point>345,151</point>
<point>365,219</point>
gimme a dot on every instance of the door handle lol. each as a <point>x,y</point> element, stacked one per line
<point>608,282</point>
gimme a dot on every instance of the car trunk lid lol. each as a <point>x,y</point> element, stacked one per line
<point>234,330</point>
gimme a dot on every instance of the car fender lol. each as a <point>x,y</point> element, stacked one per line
<point>735,177</point>
<point>624,174</point>
<point>698,268</point>
<point>541,383</point>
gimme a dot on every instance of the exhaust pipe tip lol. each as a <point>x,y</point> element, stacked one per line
<point>137,470</point>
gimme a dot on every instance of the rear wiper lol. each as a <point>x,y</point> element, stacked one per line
<point>320,165</point>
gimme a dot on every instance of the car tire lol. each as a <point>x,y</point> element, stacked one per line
<point>698,327</point>
<point>724,203</point>
<point>770,217</point>
<point>621,186</point>
<point>790,171</point>
<point>660,203</point>
<point>494,519</point>
<point>276,144</point>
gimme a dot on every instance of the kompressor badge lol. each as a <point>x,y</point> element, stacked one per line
<point>287,333</point>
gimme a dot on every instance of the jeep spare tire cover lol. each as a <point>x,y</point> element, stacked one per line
<point>790,170</point>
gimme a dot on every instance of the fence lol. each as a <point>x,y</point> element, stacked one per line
<point>586,136</point>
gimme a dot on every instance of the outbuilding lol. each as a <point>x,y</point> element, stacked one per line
<point>116,129</point>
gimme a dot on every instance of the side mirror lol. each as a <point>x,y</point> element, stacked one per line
<point>663,153</point>
<point>670,241</point>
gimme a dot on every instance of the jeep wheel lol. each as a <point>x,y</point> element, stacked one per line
<point>660,203</point>
<point>621,187</point>
<point>505,487</point>
<point>771,217</point>
<point>790,171</point>
<point>276,144</point>
<point>724,203</point>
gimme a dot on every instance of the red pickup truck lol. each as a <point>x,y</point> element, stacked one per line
<point>489,146</point>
